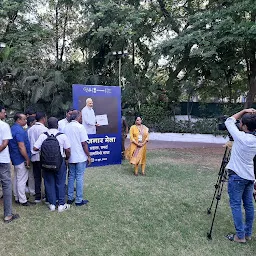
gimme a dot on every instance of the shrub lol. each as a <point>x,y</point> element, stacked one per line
<point>158,119</point>
<point>169,124</point>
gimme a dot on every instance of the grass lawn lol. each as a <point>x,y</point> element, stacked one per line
<point>163,213</point>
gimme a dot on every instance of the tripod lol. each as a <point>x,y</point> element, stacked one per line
<point>222,177</point>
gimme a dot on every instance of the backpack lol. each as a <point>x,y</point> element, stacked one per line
<point>50,156</point>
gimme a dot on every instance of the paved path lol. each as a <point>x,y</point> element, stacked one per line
<point>159,144</point>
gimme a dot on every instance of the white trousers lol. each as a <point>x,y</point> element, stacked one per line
<point>31,182</point>
<point>19,182</point>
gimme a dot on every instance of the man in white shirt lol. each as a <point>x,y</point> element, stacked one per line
<point>5,168</point>
<point>63,122</point>
<point>77,135</point>
<point>55,180</point>
<point>89,118</point>
<point>241,173</point>
<point>33,134</point>
<point>30,186</point>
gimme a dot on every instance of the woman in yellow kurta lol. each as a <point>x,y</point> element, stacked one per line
<point>136,152</point>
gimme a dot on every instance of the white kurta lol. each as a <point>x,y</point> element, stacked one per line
<point>62,124</point>
<point>89,120</point>
<point>76,134</point>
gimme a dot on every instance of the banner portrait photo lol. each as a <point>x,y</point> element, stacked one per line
<point>105,138</point>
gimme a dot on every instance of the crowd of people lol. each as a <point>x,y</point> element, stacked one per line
<point>21,145</point>
<point>24,143</point>
<point>29,149</point>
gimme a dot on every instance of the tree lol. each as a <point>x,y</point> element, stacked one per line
<point>29,72</point>
<point>218,41</point>
<point>127,25</point>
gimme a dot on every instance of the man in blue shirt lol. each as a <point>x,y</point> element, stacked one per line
<point>20,155</point>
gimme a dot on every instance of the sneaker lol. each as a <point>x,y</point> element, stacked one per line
<point>84,202</point>
<point>45,199</point>
<point>248,238</point>
<point>51,207</point>
<point>71,201</point>
<point>27,203</point>
<point>46,202</point>
<point>37,201</point>
<point>63,208</point>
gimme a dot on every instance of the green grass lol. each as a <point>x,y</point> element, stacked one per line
<point>163,213</point>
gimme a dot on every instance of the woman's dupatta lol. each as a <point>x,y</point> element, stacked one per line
<point>138,152</point>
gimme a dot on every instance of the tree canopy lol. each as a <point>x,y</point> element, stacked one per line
<point>177,51</point>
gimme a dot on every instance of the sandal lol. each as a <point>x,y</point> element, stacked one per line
<point>14,217</point>
<point>234,238</point>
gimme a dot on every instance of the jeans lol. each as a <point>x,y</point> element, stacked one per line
<point>6,181</point>
<point>54,183</point>
<point>240,190</point>
<point>76,172</point>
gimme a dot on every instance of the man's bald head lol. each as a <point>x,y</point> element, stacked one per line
<point>89,102</point>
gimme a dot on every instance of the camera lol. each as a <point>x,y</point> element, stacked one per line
<point>221,123</point>
<point>222,126</point>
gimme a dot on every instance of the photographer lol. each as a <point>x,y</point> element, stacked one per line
<point>241,173</point>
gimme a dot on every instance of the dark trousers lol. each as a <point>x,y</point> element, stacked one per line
<point>54,183</point>
<point>37,170</point>
<point>123,142</point>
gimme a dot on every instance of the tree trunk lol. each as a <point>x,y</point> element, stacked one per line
<point>251,68</point>
<point>229,84</point>
<point>11,19</point>
<point>133,54</point>
<point>64,34</point>
<point>252,91</point>
<point>57,31</point>
<point>251,71</point>
<point>174,25</point>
